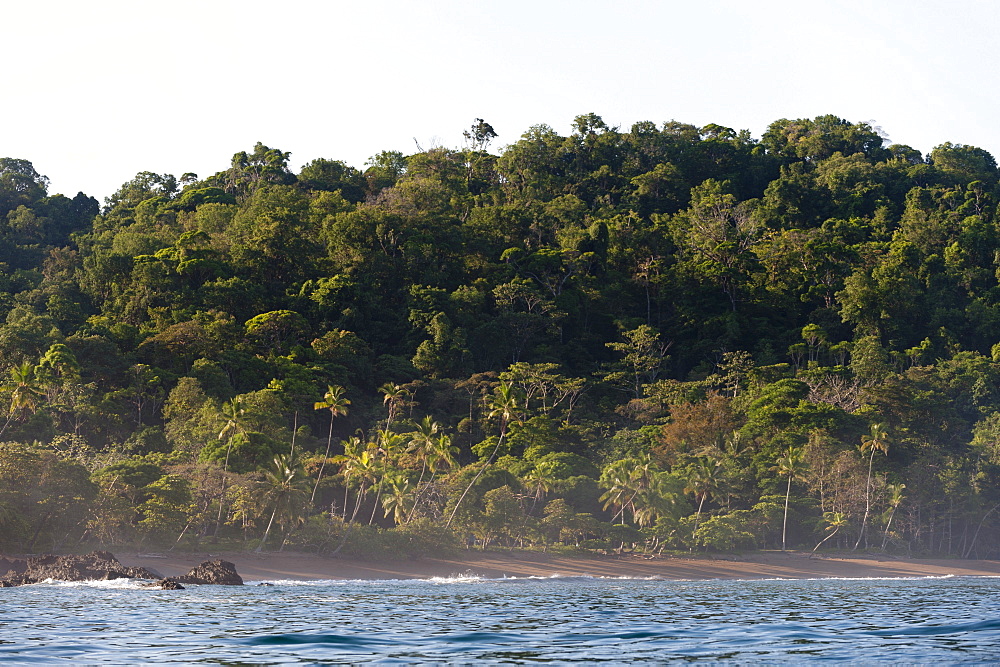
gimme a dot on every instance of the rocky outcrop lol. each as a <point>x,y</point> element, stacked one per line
<point>98,565</point>
<point>219,572</point>
<point>102,565</point>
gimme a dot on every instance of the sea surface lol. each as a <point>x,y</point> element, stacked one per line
<point>467,619</point>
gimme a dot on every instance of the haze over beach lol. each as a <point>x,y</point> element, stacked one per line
<point>116,87</point>
<point>791,565</point>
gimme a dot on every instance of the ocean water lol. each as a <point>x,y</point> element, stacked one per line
<point>467,619</point>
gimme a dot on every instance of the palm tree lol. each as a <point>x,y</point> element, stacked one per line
<point>355,463</point>
<point>232,429</point>
<point>25,393</point>
<point>792,466</point>
<point>285,489</point>
<point>334,401</point>
<point>396,494</point>
<point>388,446</point>
<point>657,498</point>
<point>442,454</point>
<point>394,396</point>
<point>639,485</point>
<point>540,479</point>
<point>504,405</point>
<point>617,478</point>
<point>422,444</point>
<point>877,440</point>
<point>703,481</point>
<point>895,500</point>
<point>834,520</point>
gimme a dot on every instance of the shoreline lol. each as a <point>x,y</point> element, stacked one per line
<point>277,566</point>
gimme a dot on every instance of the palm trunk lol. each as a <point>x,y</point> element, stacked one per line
<point>474,480</point>
<point>784,524</point>
<point>824,540</point>
<point>416,494</point>
<point>350,526</point>
<point>329,441</point>
<point>868,496</point>
<point>181,536</point>
<point>885,537</point>
<point>976,535</point>
<point>697,519</point>
<point>267,532</point>
<point>378,495</point>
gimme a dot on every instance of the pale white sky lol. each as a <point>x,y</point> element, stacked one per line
<point>97,91</point>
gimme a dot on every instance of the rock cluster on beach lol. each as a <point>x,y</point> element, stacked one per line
<point>103,566</point>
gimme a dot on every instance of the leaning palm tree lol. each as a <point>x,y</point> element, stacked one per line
<point>792,466</point>
<point>334,401</point>
<point>834,520</point>
<point>876,440</point>
<point>285,489</point>
<point>504,405</point>
<point>895,500</point>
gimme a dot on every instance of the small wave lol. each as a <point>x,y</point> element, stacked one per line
<point>948,629</point>
<point>793,579</point>
<point>297,582</point>
<point>481,638</point>
<point>297,639</point>
<point>923,577</point>
<point>113,584</point>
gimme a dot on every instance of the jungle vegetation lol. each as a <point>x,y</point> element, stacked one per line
<point>673,337</point>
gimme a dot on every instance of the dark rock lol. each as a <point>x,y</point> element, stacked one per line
<point>98,565</point>
<point>164,585</point>
<point>265,583</point>
<point>219,572</point>
<point>16,566</point>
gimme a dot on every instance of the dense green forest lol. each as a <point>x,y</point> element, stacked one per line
<point>670,337</point>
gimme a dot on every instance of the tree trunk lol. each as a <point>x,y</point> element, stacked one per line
<point>824,540</point>
<point>329,441</point>
<point>784,524</point>
<point>267,532</point>
<point>868,496</point>
<point>474,480</point>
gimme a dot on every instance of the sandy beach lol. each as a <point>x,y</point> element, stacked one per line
<point>769,565</point>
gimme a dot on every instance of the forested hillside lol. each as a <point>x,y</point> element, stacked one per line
<point>674,337</point>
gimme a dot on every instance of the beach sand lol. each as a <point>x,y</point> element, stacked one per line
<point>768,565</point>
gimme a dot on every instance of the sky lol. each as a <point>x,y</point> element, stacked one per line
<point>98,91</point>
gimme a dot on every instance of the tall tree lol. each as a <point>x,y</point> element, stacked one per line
<point>876,440</point>
<point>334,401</point>
<point>790,465</point>
<point>233,428</point>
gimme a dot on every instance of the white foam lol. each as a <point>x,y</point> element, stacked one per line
<point>113,584</point>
